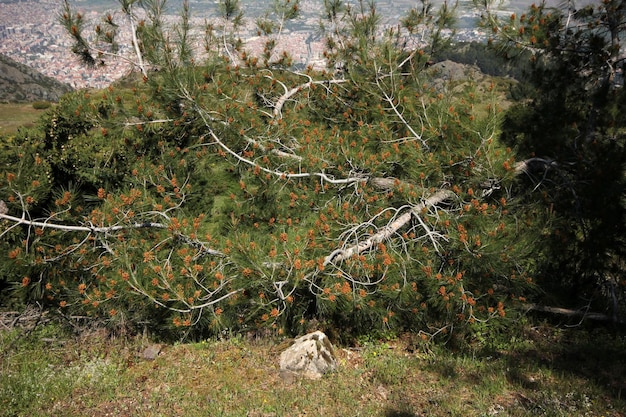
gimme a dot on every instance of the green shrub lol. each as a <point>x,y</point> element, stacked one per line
<point>214,196</point>
<point>41,105</point>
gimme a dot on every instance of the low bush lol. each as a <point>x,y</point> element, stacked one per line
<point>41,105</point>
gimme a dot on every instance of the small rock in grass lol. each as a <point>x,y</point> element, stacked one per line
<point>151,352</point>
<point>310,356</point>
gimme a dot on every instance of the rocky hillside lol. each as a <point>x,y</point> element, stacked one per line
<point>20,83</point>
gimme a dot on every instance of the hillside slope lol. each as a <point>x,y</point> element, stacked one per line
<point>20,83</point>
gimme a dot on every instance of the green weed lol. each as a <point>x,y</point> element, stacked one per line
<point>553,373</point>
<point>14,116</point>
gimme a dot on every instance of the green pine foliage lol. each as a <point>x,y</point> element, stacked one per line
<point>571,116</point>
<point>241,194</point>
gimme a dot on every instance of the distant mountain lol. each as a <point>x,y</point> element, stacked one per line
<point>20,83</point>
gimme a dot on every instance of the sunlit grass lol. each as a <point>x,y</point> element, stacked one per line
<point>50,373</point>
<point>16,115</point>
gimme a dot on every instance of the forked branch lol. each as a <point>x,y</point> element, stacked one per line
<point>389,230</point>
<point>278,106</point>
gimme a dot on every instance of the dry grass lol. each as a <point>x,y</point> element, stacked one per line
<point>543,371</point>
<point>13,116</point>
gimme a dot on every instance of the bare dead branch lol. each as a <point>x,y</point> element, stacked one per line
<point>135,41</point>
<point>532,164</point>
<point>382,183</point>
<point>390,100</point>
<point>73,228</point>
<point>280,174</point>
<point>278,106</point>
<point>583,314</point>
<point>202,246</point>
<point>389,230</point>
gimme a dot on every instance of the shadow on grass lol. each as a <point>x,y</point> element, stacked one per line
<point>540,369</point>
<point>398,412</point>
<point>594,354</point>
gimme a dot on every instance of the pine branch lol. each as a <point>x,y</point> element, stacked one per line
<point>74,228</point>
<point>389,230</point>
<point>103,230</point>
<point>396,224</point>
<point>278,106</point>
<point>280,174</point>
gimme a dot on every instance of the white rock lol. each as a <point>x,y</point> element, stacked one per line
<point>311,356</point>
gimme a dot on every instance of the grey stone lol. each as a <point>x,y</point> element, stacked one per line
<point>310,356</point>
<point>151,352</point>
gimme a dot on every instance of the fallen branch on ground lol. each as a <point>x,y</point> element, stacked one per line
<point>583,314</point>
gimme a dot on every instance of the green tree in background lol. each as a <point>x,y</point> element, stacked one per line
<point>229,191</point>
<point>572,124</point>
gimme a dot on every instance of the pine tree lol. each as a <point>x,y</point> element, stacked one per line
<point>571,125</point>
<point>230,191</point>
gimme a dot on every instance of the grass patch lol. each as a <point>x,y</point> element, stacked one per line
<point>553,373</point>
<point>15,115</point>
